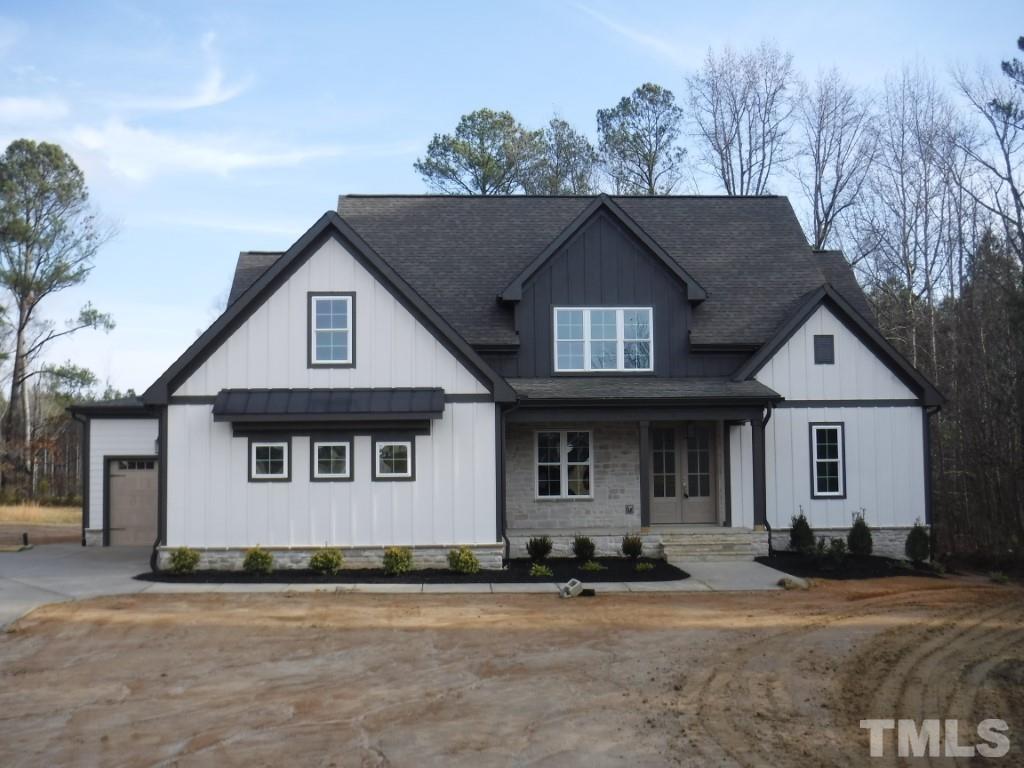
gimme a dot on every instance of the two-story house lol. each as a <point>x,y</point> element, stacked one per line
<point>435,371</point>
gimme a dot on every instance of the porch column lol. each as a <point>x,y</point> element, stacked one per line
<point>760,494</point>
<point>645,473</point>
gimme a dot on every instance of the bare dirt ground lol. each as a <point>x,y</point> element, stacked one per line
<point>756,679</point>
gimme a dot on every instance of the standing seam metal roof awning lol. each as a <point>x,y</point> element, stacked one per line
<point>328,405</point>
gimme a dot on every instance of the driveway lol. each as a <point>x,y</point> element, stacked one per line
<point>55,573</point>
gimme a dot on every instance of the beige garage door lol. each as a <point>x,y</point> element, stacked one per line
<point>133,492</point>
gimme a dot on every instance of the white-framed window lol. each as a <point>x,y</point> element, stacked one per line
<point>564,464</point>
<point>332,460</point>
<point>604,339</point>
<point>331,324</point>
<point>828,454</point>
<point>393,459</point>
<point>268,460</point>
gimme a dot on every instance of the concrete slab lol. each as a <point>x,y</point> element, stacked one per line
<point>544,587</point>
<point>307,587</point>
<point>684,585</point>
<point>733,575</point>
<point>606,586</point>
<point>241,588</point>
<point>165,588</point>
<point>385,589</point>
<point>457,588</point>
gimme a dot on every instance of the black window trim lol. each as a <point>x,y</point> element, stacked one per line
<point>396,437</point>
<point>321,439</point>
<point>841,425</point>
<point>831,357</point>
<point>310,296</point>
<point>276,439</point>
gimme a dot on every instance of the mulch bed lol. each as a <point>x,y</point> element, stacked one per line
<point>852,567</point>
<point>616,569</point>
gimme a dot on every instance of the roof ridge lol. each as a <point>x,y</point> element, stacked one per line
<point>430,196</point>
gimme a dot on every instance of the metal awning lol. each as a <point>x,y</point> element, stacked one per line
<point>328,405</point>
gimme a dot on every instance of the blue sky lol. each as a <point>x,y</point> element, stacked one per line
<point>205,129</point>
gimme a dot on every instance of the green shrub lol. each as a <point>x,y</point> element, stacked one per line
<point>538,548</point>
<point>859,537</point>
<point>184,560</point>
<point>837,551</point>
<point>643,567</point>
<point>632,546</point>
<point>592,566</point>
<point>918,546</point>
<point>397,560</point>
<point>583,547</point>
<point>327,561</point>
<point>801,537</point>
<point>462,560</point>
<point>539,570</point>
<point>258,560</point>
<point>998,577</point>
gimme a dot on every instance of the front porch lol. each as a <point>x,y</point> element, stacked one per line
<point>685,474</point>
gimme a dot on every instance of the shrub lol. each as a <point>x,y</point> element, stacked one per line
<point>998,577</point>
<point>837,551</point>
<point>540,570</point>
<point>583,547</point>
<point>397,560</point>
<point>258,560</point>
<point>918,545</point>
<point>632,546</point>
<point>327,561</point>
<point>643,567</point>
<point>592,566</point>
<point>462,560</point>
<point>801,537</point>
<point>184,560</point>
<point>538,548</point>
<point>859,537</point>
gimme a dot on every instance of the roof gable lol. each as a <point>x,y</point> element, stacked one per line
<point>329,226</point>
<point>514,290</point>
<point>826,295</point>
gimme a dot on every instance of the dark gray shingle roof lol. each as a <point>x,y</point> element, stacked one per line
<point>621,388</point>
<point>327,404</point>
<point>459,252</point>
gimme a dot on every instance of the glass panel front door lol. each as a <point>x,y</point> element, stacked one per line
<point>682,478</point>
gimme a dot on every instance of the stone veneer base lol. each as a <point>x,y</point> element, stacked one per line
<point>297,558</point>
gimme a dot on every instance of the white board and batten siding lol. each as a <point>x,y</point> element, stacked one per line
<point>884,443</point>
<point>452,500</point>
<point>114,437</point>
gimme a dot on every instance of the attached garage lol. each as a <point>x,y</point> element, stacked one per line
<point>121,473</point>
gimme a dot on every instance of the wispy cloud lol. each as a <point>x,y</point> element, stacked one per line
<point>678,55</point>
<point>211,90</point>
<point>140,154</point>
<point>15,110</point>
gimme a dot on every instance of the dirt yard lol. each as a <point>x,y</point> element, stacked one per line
<point>769,679</point>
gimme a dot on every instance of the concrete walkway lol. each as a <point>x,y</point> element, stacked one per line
<point>56,573</point>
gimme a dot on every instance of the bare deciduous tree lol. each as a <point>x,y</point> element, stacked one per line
<point>742,106</point>
<point>837,147</point>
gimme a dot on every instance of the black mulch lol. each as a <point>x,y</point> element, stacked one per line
<point>851,567</point>
<point>616,569</point>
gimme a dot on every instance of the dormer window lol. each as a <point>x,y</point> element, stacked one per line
<point>332,330</point>
<point>603,339</point>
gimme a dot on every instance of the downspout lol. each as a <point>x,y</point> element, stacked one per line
<point>767,525</point>
<point>84,421</point>
<point>506,555</point>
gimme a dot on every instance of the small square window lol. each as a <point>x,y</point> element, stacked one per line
<point>332,460</point>
<point>268,460</point>
<point>824,350</point>
<point>393,460</point>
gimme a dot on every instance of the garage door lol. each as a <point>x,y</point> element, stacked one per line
<point>133,493</point>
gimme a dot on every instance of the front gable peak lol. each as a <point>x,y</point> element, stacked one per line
<point>603,204</point>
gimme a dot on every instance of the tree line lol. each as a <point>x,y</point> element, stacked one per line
<point>918,180</point>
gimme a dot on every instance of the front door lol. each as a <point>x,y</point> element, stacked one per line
<point>682,474</point>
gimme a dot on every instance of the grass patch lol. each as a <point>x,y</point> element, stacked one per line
<point>37,515</point>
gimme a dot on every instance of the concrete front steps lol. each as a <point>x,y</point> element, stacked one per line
<point>708,543</point>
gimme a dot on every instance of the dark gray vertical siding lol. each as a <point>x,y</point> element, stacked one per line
<point>603,266</point>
